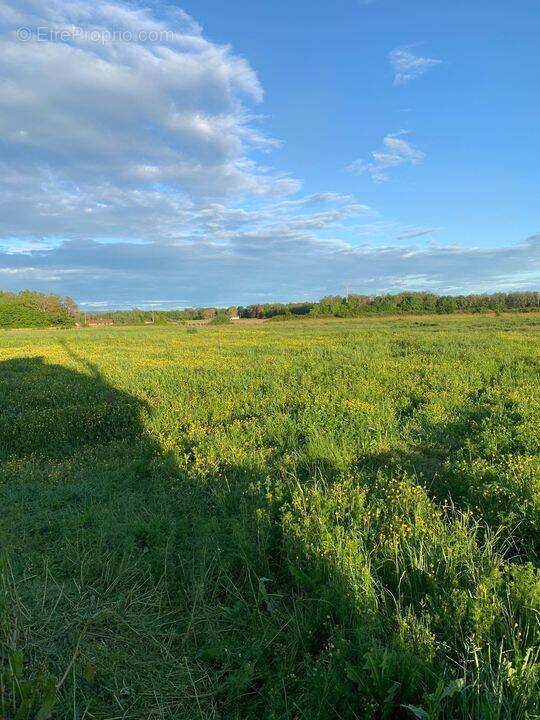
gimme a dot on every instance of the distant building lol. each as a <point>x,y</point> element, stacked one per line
<point>234,317</point>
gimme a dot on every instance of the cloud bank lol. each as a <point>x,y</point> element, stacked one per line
<point>253,267</point>
<point>101,135</point>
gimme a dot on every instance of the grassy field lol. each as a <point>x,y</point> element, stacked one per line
<point>319,519</point>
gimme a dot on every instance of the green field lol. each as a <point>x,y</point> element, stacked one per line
<point>310,520</point>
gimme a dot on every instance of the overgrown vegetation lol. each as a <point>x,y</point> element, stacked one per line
<point>32,309</point>
<point>300,520</point>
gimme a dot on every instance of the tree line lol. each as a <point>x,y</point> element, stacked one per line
<point>405,302</point>
<point>137,316</point>
<point>32,309</point>
<point>339,306</point>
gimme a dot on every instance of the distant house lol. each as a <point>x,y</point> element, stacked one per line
<point>234,317</point>
<point>99,321</point>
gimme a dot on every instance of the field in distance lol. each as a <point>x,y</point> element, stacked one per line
<point>312,519</point>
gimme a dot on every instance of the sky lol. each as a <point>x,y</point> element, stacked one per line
<point>205,152</point>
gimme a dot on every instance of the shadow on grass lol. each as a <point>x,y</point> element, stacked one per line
<point>51,411</point>
<point>141,588</point>
<point>84,531</point>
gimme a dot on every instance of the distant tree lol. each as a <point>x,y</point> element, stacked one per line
<point>71,306</point>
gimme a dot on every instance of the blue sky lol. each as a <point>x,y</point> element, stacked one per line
<point>330,95</point>
<point>215,153</point>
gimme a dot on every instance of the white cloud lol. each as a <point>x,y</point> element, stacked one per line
<point>417,232</point>
<point>396,151</point>
<point>118,128</point>
<point>408,66</point>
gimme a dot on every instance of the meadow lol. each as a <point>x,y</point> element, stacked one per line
<point>312,519</point>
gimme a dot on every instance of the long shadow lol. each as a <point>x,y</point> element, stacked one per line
<point>122,572</point>
<point>85,524</point>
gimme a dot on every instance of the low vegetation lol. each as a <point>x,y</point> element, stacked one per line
<point>322,519</point>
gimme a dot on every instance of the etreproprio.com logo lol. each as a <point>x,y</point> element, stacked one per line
<point>96,35</point>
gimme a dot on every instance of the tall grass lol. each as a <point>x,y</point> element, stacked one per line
<point>314,520</point>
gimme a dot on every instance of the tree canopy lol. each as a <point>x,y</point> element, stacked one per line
<point>33,309</point>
